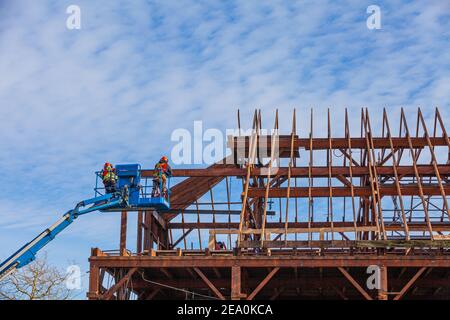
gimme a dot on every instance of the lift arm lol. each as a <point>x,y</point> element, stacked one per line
<point>27,253</point>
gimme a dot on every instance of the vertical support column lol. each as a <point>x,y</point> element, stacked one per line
<point>94,282</point>
<point>148,236</point>
<point>383,291</point>
<point>123,233</point>
<point>140,218</point>
<point>235,283</point>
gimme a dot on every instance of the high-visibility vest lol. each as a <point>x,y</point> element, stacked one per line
<point>109,174</point>
<point>160,168</point>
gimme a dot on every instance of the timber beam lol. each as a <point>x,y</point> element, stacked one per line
<point>284,142</point>
<point>270,261</point>
<point>324,192</point>
<point>303,172</point>
<point>233,226</point>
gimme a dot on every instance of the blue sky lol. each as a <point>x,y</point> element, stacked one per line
<point>117,88</point>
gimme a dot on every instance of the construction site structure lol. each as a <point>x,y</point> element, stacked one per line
<point>299,216</point>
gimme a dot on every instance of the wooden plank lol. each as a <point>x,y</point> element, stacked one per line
<point>247,179</point>
<point>182,237</point>
<point>291,163</point>
<point>108,294</point>
<point>351,171</point>
<point>94,282</point>
<point>396,175</point>
<point>263,283</point>
<point>302,172</point>
<point>355,284</point>
<point>293,230</point>
<point>330,215</point>
<point>417,175</point>
<point>409,284</point>
<point>342,143</point>
<point>383,290</point>
<point>414,226</point>
<point>349,244</point>
<point>236,283</point>
<point>123,232</point>
<point>310,176</point>
<point>148,234</point>
<point>434,163</point>
<point>140,220</point>
<point>268,181</point>
<point>323,192</point>
<point>228,261</point>
<point>152,294</point>
<point>209,284</point>
<point>376,196</point>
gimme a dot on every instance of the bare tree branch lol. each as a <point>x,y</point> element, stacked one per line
<point>36,281</point>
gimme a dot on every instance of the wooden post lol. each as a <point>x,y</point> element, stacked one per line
<point>263,283</point>
<point>355,284</point>
<point>119,286</point>
<point>139,232</point>
<point>148,237</point>
<point>235,283</point>
<point>383,290</point>
<point>409,284</point>
<point>94,282</point>
<point>123,233</point>
<point>209,284</point>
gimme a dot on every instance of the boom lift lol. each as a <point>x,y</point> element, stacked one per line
<point>130,195</point>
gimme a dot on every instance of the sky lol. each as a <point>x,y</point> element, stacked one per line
<point>136,71</point>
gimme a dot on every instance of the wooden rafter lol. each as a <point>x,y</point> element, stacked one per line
<point>355,283</point>
<point>209,284</point>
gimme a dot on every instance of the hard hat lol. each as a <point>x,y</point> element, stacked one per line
<point>107,164</point>
<point>164,159</point>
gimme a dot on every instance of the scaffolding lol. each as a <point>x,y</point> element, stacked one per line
<point>301,217</point>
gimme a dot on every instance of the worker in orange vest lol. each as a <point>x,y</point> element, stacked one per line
<point>162,172</point>
<point>109,177</point>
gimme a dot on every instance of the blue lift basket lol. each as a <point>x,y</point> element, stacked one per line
<point>129,194</point>
<point>137,195</point>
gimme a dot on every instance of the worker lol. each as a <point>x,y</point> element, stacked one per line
<point>220,246</point>
<point>109,177</point>
<point>162,172</point>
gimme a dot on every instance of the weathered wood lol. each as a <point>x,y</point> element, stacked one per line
<point>341,143</point>
<point>323,192</point>
<point>123,232</point>
<point>263,283</point>
<point>108,294</point>
<point>209,284</point>
<point>383,290</point>
<point>414,226</point>
<point>291,230</point>
<point>140,220</point>
<point>350,244</point>
<point>302,172</point>
<point>355,284</point>
<point>94,282</point>
<point>183,236</point>
<point>236,283</point>
<point>410,283</point>
<point>306,261</point>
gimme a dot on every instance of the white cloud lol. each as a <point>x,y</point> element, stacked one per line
<point>114,90</point>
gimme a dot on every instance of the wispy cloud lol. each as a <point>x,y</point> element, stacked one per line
<point>137,70</point>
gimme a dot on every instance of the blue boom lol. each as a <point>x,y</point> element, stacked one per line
<point>130,196</point>
<point>27,253</point>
